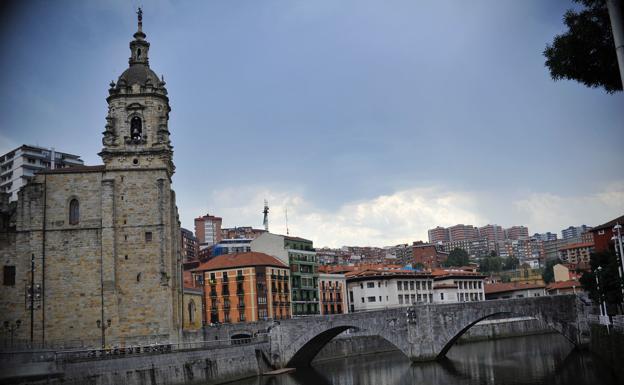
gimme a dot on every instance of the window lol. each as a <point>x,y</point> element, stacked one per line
<point>400,299</point>
<point>74,212</point>
<point>370,284</point>
<point>9,276</point>
<point>148,236</point>
<point>399,285</point>
<point>371,299</point>
<point>442,296</point>
<point>136,128</point>
<point>411,285</point>
<point>191,311</point>
<point>362,299</point>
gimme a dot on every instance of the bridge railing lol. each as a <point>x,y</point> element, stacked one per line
<point>618,322</point>
<point>74,355</point>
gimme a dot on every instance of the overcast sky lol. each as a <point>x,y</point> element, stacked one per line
<point>371,121</point>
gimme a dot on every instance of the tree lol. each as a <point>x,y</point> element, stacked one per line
<point>586,52</point>
<point>490,264</point>
<point>511,263</point>
<point>457,257</point>
<point>548,275</point>
<point>609,279</point>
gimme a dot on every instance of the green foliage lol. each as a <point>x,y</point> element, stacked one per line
<point>511,263</point>
<point>548,275</point>
<point>491,264</point>
<point>609,279</point>
<point>457,257</point>
<point>586,52</point>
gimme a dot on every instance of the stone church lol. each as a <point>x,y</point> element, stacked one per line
<point>91,255</point>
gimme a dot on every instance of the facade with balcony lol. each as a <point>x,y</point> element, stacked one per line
<point>300,255</point>
<point>245,287</point>
<point>332,293</point>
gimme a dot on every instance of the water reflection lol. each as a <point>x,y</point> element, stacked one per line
<point>545,359</point>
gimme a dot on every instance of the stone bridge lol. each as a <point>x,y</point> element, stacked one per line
<point>423,332</point>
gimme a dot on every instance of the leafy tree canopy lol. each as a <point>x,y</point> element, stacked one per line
<point>609,279</point>
<point>586,52</point>
<point>457,257</point>
<point>548,275</point>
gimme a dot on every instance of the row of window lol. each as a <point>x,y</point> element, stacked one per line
<point>469,284</point>
<point>413,285</point>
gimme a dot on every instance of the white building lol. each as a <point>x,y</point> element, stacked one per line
<point>458,286</point>
<point>380,289</point>
<point>21,164</point>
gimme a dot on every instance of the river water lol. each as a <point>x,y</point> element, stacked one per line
<point>543,359</point>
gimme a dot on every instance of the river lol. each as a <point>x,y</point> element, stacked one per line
<point>532,360</point>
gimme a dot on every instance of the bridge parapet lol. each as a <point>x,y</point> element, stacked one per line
<point>422,332</point>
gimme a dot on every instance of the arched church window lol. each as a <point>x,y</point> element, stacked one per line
<point>139,53</point>
<point>191,311</point>
<point>74,212</point>
<point>136,128</point>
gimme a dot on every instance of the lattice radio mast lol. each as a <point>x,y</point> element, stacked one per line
<point>265,222</point>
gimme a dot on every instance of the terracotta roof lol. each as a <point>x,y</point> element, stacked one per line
<point>564,285</point>
<point>72,170</point>
<point>442,274</point>
<point>229,261</point>
<point>577,245</point>
<point>363,274</point>
<point>492,288</point>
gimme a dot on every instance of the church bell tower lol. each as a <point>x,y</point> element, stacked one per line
<point>136,134</point>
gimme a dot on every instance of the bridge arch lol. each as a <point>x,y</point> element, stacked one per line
<point>560,322</point>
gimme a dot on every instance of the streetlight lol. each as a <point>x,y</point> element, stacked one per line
<point>11,328</point>
<point>619,252</point>
<point>103,327</point>
<point>604,318</point>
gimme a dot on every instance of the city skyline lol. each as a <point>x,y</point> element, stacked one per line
<point>269,107</point>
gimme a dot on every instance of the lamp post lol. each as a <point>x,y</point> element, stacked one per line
<point>11,328</point>
<point>619,252</point>
<point>604,318</point>
<point>103,326</point>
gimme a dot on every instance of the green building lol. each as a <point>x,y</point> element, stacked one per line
<point>299,254</point>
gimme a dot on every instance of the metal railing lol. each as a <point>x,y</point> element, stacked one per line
<point>156,348</point>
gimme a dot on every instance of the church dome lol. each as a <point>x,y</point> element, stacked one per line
<point>139,73</point>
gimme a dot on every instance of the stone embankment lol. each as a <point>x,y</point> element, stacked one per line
<point>204,365</point>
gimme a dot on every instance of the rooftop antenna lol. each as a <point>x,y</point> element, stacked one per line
<point>286,215</point>
<point>265,222</point>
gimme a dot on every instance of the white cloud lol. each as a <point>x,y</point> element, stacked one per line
<point>405,216</point>
<point>400,217</point>
<point>550,212</point>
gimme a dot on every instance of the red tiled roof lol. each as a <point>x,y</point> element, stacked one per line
<point>384,273</point>
<point>229,261</point>
<point>505,287</point>
<point>564,285</point>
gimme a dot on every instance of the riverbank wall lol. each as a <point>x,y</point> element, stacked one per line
<point>208,366</point>
<point>608,344</point>
<point>205,367</point>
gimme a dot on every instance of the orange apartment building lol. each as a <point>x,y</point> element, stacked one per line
<point>245,287</point>
<point>333,293</point>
